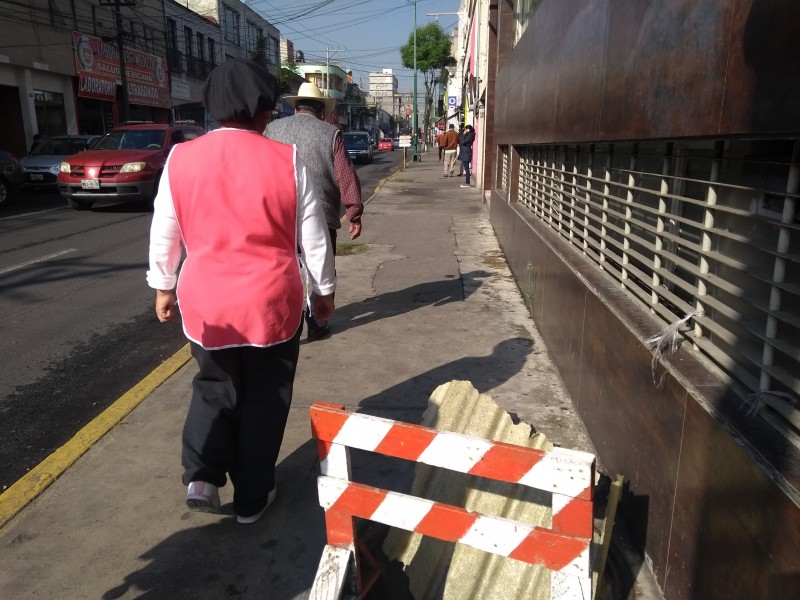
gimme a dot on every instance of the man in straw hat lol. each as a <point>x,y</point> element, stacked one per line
<point>320,145</point>
<point>241,205</point>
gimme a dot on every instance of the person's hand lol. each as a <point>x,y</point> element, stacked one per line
<point>323,308</point>
<point>354,230</point>
<point>165,305</point>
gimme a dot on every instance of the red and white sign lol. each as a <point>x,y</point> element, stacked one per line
<point>97,65</point>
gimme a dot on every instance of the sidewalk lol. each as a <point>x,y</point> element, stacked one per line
<point>429,300</point>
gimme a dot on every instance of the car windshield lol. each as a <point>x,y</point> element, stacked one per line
<point>60,147</point>
<point>355,138</point>
<point>135,139</point>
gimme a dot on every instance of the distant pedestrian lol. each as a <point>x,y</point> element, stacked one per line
<point>460,137</point>
<point>449,143</point>
<point>241,205</point>
<point>320,146</point>
<point>465,151</point>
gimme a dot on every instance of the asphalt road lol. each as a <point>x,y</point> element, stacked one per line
<point>78,328</point>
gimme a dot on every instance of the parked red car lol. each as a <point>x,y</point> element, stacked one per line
<point>125,163</point>
<point>386,144</point>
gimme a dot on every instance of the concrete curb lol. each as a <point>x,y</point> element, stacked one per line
<point>38,479</point>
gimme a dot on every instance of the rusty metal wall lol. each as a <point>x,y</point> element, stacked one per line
<point>588,70</point>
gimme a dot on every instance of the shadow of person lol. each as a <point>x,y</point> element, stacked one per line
<point>398,302</point>
<point>275,558</point>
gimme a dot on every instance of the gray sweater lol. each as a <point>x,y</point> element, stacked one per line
<point>314,140</point>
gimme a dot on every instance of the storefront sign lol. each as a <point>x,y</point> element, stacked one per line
<point>180,89</point>
<point>97,65</point>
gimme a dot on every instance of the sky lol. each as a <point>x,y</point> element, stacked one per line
<point>364,35</point>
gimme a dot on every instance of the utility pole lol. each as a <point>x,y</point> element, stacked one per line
<point>120,38</point>
<point>415,156</point>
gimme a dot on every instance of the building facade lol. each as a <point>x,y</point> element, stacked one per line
<point>194,48</point>
<point>642,167</point>
<point>383,91</point>
<point>60,68</point>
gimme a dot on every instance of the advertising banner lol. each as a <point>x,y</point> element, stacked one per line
<point>97,65</point>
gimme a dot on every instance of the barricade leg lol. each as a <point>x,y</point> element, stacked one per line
<point>573,516</point>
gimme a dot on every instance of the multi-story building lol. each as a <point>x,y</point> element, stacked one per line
<point>641,163</point>
<point>243,31</point>
<point>383,91</point>
<point>60,68</point>
<point>332,80</point>
<point>194,48</point>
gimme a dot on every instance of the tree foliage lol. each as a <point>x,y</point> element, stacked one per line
<point>289,78</point>
<point>259,54</point>
<point>433,55</point>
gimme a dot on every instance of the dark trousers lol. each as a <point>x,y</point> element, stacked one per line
<point>310,321</point>
<point>465,165</point>
<point>236,419</point>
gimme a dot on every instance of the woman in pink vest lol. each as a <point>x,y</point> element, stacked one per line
<point>240,205</point>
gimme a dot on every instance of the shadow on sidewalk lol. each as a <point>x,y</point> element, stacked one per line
<point>391,304</point>
<point>277,558</point>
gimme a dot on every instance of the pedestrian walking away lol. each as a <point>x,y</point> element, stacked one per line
<point>449,141</point>
<point>460,137</point>
<point>241,206</point>
<point>465,152</point>
<point>320,146</point>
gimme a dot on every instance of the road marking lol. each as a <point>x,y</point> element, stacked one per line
<point>38,479</point>
<point>36,260</point>
<point>32,213</point>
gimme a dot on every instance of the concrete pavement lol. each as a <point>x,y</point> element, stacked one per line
<point>424,297</point>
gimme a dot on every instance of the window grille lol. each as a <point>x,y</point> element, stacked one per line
<point>504,167</point>
<point>701,228</point>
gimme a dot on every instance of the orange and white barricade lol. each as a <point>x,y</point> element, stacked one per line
<point>567,474</point>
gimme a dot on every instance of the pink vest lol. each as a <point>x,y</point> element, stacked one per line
<point>235,197</point>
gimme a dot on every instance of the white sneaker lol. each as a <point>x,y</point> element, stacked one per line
<point>465,185</point>
<point>259,514</point>
<point>202,496</point>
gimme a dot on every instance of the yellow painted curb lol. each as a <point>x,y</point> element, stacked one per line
<point>38,479</point>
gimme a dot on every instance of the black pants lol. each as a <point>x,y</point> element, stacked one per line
<point>235,424</point>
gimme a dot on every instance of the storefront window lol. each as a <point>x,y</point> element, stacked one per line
<point>50,116</point>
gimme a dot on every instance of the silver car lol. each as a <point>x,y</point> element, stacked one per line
<point>40,168</point>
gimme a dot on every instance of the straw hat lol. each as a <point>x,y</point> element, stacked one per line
<point>309,91</point>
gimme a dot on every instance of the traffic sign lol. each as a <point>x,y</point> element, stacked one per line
<point>405,141</point>
<point>452,101</point>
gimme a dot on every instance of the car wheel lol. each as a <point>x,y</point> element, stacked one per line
<point>80,204</point>
<point>3,191</point>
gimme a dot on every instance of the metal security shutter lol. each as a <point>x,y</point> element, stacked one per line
<point>692,228</point>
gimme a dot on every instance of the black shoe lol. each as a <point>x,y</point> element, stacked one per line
<point>319,333</point>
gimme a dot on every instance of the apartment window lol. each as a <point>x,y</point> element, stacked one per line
<point>254,33</point>
<point>212,53</point>
<point>231,24</point>
<point>174,54</point>
<point>273,50</point>
<point>172,34</point>
<point>523,12</point>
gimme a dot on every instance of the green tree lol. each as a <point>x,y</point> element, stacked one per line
<point>260,52</point>
<point>289,78</point>
<point>433,55</point>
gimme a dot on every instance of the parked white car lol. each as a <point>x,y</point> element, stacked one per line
<point>41,167</point>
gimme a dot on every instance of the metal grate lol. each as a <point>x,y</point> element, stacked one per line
<point>692,228</point>
<point>504,167</point>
